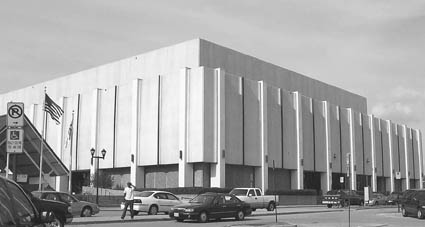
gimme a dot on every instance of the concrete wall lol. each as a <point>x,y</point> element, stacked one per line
<point>215,56</point>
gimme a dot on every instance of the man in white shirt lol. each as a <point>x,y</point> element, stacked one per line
<point>129,199</point>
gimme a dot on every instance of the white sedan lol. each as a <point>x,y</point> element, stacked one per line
<point>153,202</point>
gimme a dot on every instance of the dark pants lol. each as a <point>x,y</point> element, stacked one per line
<point>127,204</point>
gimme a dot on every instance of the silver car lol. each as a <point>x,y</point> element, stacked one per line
<point>153,202</point>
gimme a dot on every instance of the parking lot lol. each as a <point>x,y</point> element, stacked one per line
<point>301,216</point>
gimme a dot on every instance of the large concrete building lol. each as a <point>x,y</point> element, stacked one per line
<point>199,114</point>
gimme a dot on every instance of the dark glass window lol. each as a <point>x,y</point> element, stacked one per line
<point>23,209</point>
<point>6,216</point>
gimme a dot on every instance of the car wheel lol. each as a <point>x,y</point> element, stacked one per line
<point>240,215</point>
<point>403,212</point>
<point>135,212</point>
<point>375,203</point>
<point>86,212</point>
<point>329,205</point>
<point>153,210</point>
<point>253,209</point>
<point>180,219</point>
<point>56,222</point>
<point>271,206</point>
<point>420,214</point>
<point>203,217</point>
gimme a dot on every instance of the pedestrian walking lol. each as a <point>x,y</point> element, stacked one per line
<point>129,200</point>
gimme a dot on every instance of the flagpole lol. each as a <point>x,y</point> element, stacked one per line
<point>70,153</point>
<point>42,140</point>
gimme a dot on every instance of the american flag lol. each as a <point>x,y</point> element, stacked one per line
<point>70,130</point>
<point>53,109</point>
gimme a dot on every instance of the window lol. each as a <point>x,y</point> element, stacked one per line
<point>51,196</point>
<point>251,193</point>
<point>67,198</point>
<point>172,197</point>
<point>161,196</point>
<point>239,192</point>
<point>230,199</point>
<point>6,217</point>
<point>258,192</point>
<point>420,195</point>
<point>219,200</point>
<point>24,210</point>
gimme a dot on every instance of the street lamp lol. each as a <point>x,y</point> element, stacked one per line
<point>92,151</point>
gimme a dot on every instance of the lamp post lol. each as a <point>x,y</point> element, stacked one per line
<point>92,151</point>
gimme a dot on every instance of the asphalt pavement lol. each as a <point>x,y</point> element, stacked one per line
<point>281,210</point>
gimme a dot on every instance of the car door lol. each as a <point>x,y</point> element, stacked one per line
<point>172,200</point>
<point>231,206</point>
<point>75,205</point>
<point>162,201</point>
<point>252,198</point>
<point>218,207</point>
<point>410,203</point>
<point>259,199</point>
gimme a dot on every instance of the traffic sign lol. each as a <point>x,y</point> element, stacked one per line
<point>15,114</point>
<point>398,175</point>
<point>15,140</point>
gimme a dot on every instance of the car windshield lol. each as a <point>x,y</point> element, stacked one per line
<point>144,194</point>
<point>238,192</point>
<point>204,199</point>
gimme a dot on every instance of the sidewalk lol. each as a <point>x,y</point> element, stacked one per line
<point>281,210</point>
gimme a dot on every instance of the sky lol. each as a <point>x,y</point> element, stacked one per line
<point>373,48</point>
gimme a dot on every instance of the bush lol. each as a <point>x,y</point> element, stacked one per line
<point>188,190</point>
<point>292,192</point>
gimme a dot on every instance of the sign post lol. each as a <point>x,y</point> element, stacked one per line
<point>15,131</point>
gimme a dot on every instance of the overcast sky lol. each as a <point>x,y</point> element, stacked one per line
<point>375,48</point>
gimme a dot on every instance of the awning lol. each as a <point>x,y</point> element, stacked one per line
<point>29,161</point>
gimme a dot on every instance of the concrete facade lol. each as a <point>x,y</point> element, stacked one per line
<point>198,114</point>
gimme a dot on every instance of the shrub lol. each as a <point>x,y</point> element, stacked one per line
<point>292,192</point>
<point>188,190</point>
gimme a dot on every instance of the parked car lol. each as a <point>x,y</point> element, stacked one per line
<point>377,198</point>
<point>62,212</point>
<point>406,194</point>
<point>255,198</point>
<point>79,208</point>
<point>17,208</point>
<point>211,205</point>
<point>393,198</point>
<point>414,203</point>
<point>153,202</point>
<point>342,198</point>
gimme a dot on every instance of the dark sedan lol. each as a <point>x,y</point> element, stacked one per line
<point>211,206</point>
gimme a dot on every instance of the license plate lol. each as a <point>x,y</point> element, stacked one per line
<point>176,214</point>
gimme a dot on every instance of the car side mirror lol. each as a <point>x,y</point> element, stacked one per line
<point>46,217</point>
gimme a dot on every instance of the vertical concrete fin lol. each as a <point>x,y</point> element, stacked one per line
<point>263,135</point>
<point>185,169</point>
<point>406,153</point>
<point>136,173</point>
<point>298,178</point>
<point>372,142</point>
<point>326,114</point>
<point>218,170</point>
<point>420,157</point>
<point>353,174</point>
<point>391,151</point>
